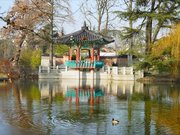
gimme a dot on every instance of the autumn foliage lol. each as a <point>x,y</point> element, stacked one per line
<point>7,69</point>
<point>168,48</point>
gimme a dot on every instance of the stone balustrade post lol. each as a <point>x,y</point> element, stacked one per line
<point>116,70</point>
<point>109,70</point>
<point>66,68</point>
<point>39,69</point>
<point>103,69</point>
<point>131,70</point>
<point>124,70</point>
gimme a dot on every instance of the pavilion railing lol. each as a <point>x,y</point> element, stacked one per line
<point>84,64</point>
<point>104,69</point>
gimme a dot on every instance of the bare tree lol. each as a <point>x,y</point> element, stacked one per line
<point>100,12</point>
<point>28,17</point>
<point>108,9</point>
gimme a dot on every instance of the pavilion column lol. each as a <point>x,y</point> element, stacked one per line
<point>70,53</point>
<point>78,54</point>
<point>98,54</point>
<point>92,55</point>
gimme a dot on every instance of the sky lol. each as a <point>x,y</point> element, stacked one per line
<point>5,6</point>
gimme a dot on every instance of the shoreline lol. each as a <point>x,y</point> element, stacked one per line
<point>167,78</point>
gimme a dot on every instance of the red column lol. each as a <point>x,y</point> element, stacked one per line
<point>92,55</point>
<point>98,54</point>
<point>77,54</point>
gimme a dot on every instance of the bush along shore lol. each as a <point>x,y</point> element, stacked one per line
<point>160,78</point>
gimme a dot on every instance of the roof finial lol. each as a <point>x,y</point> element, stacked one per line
<point>85,27</point>
<point>84,23</point>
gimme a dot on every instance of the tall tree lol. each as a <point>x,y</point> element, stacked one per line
<point>158,15</point>
<point>129,32</point>
<point>152,17</point>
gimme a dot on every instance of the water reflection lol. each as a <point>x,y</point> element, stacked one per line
<point>87,107</point>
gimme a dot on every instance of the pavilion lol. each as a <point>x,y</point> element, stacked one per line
<point>84,61</point>
<point>84,48</point>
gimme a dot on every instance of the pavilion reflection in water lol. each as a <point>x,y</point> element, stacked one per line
<point>86,88</point>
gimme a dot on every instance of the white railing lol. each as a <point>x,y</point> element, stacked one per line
<point>120,70</point>
<point>125,71</point>
<point>52,69</point>
<point>105,69</point>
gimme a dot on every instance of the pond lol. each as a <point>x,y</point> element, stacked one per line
<point>78,107</point>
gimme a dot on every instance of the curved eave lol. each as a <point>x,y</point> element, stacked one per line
<point>91,38</point>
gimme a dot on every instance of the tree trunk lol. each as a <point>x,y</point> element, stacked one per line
<point>15,59</point>
<point>99,23</point>
<point>159,26</point>
<point>51,44</point>
<point>131,38</point>
<point>107,21</point>
<point>149,28</point>
<point>148,34</point>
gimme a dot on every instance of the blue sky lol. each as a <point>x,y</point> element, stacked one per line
<point>5,5</point>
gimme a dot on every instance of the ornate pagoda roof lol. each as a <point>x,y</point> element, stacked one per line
<point>84,36</point>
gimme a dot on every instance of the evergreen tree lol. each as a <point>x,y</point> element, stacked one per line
<point>152,16</point>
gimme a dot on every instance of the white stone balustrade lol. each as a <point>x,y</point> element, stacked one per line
<point>121,70</point>
<point>110,73</point>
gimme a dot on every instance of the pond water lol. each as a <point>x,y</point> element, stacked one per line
<point>78,107</point>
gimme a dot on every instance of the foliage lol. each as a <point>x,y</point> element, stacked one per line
<point>61,49</point>
<point>30,58</point>
<point>159,63</point>
<point>36,59</point>
<point>152,17</point>
<point>7,69</point>
<point>165,54</point>
<point>5,66</point>
<point>25,58</point>
<point>169,49</point>
<point>6,48</point>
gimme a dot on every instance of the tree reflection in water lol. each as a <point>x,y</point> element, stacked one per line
<point>79,107</point>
